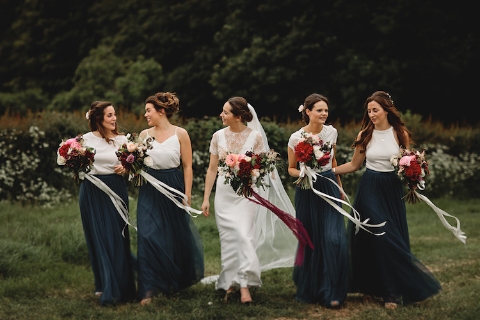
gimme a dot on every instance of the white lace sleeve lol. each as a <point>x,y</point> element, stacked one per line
<point>214,144</point>
<point>259,147</point>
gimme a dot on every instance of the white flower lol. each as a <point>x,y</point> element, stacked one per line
<point>255,173</point>
<point>394,160</point>
<point>301,108</point>
<point>128,136</point>
<point>87,116</point>
<point>318,153</point>
<point>61,160</point>
<point>131,147</point>
<point>148,161</point>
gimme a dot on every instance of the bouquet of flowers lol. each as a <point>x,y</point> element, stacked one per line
<point>242,171</point>
<point>133,156</point>
<point>411,167</point>
<point>313,152</point>
<point>74,155</point>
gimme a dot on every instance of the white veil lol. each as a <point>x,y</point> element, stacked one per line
<point>275,243</point>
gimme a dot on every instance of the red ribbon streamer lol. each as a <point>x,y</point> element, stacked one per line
<point>292,223</point>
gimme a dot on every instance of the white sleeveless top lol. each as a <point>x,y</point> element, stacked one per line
<point>328,134</point>
<point>105,157</point>
<point>380,149</point>
<point>166,154</point>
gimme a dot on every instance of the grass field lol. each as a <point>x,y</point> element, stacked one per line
<point>45,273</point>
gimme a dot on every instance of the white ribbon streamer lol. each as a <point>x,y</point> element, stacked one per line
<point>116,200</point>
<point>440,213</point>
<point>312,176</point>
<point>170,192</point>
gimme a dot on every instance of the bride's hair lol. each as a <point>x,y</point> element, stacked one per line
<point>240,108</point>
<point>165,100</point>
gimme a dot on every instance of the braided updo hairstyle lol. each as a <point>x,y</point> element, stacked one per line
<point>165,100</point>
<point>240,108</point>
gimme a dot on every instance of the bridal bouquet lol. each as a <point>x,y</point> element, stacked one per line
<point>411,167</point>
<point>76,156</point>
<point>314,153</point>
<point>242,171</point>
<point>133,157</point>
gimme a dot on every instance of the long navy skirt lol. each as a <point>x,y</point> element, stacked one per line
<point>383,266</point>
<point>109,251</point>
<point>170,250</point>
<point>323,277</point>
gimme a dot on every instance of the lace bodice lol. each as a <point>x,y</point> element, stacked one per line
<point>225,141</point>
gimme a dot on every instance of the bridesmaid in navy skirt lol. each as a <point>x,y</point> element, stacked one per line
<point>106,233</point>
<point>170,251</point>
<point>383,266</point>
<point>323,276</point>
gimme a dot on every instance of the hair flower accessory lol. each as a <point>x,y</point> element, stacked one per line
<point>301,108</point>
<point>87,115</point>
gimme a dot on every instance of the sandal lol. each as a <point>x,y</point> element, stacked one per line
<point>228,293</point>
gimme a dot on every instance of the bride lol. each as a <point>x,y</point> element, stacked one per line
<point>252,239</point>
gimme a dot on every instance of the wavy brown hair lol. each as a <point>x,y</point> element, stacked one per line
<point>393,116</point>
<point>95,118</point>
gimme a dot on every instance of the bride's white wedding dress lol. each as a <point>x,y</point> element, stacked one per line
<point>252,238</point>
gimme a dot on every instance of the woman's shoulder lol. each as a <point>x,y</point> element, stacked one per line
<point>297,134</point>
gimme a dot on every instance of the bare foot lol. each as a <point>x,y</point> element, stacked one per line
<point>245,296</point>
<point>145,301</point>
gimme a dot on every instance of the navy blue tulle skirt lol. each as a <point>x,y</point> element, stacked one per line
<point>109,251</point>
<point>170,250</point>
<point>323,277</point>
<point>383,266</point>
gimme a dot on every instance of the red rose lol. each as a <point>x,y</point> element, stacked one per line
<point>303,151</point>
<point>413,171</point>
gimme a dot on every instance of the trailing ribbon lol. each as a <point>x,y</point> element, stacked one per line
<point>292,223</point>
<point>116,200</point>
<point>459,234</point>
<point>171,193</point>
<point>312,176</point>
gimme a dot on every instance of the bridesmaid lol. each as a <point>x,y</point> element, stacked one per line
<point>108,250</point>
<point>323,277</point>
<point>170,251</point>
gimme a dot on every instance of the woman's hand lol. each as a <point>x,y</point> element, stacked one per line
<point>206,208</point>
<point>119,169</point>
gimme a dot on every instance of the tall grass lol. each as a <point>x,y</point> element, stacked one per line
<point>45,273</point>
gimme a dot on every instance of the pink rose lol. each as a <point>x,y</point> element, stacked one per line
<point>231,160</point>
<point>131,147</point>
<point>405,160</point>
<point>130,158</point>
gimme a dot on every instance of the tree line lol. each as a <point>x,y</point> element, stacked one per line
<point>62,55</point>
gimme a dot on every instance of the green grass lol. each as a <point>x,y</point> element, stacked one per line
<point>45,273</point>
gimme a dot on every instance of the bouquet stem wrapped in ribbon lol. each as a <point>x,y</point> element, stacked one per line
<point>314,154</point>
<point>412,168</point>
<point>79,158</point>
<point>246,171</point>
<point>134,158</point>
